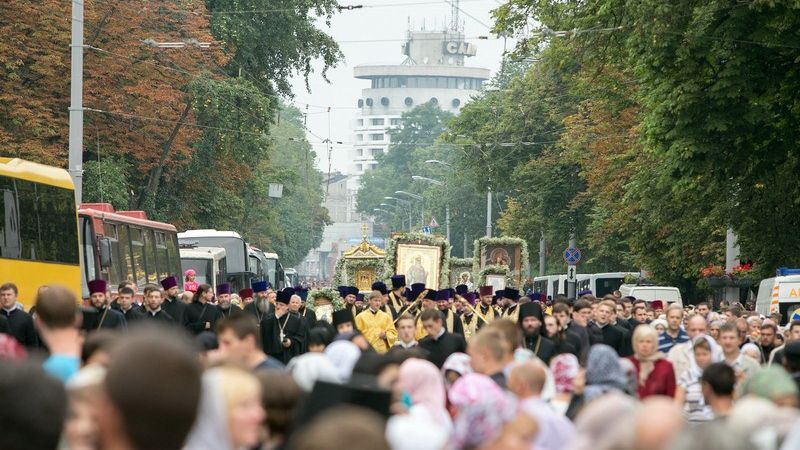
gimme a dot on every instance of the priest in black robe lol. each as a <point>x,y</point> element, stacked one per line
<point>101,315</point>
<point>309,315</point>
<point>172,304</point>
<point>283,334</point>
<point>439,344</point>
<point>531,321</point>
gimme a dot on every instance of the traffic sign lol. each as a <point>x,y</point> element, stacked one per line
<point>433,223</point>
<point>426,230</point>
<point>572,274</point>
<point>572,256</point>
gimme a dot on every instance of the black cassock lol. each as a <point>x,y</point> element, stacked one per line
<point>160,316</point>
<point>293,327</point>
<point>106,318</point>
<point>197,314</point>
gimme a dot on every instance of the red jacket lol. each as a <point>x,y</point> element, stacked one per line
<point>660,382</point>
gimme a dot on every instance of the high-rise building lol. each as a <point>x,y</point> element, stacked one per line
<point>433,71</point>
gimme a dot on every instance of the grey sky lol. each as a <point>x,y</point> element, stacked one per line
<point>380,31</point>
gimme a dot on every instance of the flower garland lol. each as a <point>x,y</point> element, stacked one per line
<point>329,293</point>
<point>504,240</point>
<point>415,237</point>
<point>495,269</point>
<point>337,272</point>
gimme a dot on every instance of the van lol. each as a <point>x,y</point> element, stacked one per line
<point>667,294</point>
<point>779,294</point>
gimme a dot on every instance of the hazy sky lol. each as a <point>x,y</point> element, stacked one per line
<point>379,29</point>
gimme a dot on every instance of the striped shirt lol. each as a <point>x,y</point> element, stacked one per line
<point>666,342</point>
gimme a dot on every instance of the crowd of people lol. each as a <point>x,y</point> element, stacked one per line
<point>398,367</point>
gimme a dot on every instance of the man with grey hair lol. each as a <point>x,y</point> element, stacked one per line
<point>681,354</point>
<point>674,333</point>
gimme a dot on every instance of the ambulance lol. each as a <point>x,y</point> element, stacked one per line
<point>780,294</point>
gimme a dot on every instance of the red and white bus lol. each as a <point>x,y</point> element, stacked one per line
<point>125,245</point>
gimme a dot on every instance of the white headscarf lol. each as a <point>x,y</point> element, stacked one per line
<point>343,355</point>
<point>309,368</point>
<point>210,429</point>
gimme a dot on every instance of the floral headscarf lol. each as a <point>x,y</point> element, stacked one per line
<point>457,362</point>
<point>483,409</point>
<point>565,368</point>
<point>603,372</point>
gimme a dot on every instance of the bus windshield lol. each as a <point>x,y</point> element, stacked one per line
<point>606,286</point>
<point>235,250</point>
<point>203,269</point>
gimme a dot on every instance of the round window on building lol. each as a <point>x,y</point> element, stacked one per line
<point>385,101</point>
<point>456,103</point>
<point>409,101</point>
<point>434,101</point>
<point>361,103</point>
<point>369,102</point>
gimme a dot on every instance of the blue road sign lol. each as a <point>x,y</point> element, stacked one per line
<point>426,230</point>
<point>572,256</point>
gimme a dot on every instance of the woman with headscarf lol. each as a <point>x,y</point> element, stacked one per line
<point>689,393</point>
<point>564,368</point>
<point>603,375</point>
<point>421,386</point>
<point>655,373</point>
<point>343,355</point>
<point>230,415</point>
<point>455,366</point>
<point>309,368</point>
<point>482,409</point>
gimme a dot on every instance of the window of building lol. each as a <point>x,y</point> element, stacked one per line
<point>359,167</point>
<point>376,151</point>
<point>372,166</point>
<point>376,137</point>
<point>395,121</point>
<point>360,152</point>
<point>376,122</point>
<point>359,137</point>
<point>360,122</point>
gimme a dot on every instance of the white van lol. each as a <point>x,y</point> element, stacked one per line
<point>779,294</point>
<point>208,263</point>
<point>667,294</point>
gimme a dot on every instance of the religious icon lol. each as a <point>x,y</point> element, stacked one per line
<point>505,255</point>
<point>419,263</point>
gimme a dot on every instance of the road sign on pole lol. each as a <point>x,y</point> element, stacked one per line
<point>433,223</point>
<point>572,273</point>
<point>572,256</point>
<point>426,230</point>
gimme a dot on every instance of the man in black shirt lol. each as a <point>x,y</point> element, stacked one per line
<point>20,324</point>
<point>201,315</point>
<point>127,307</point>
<point>439,343</point>
<point>283,333</point>
<point>260,306</point>
<point>611,335</point>
<point>152,303</point>
<point>104,316</point>
<point>531,320</point>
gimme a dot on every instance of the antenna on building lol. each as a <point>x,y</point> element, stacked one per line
<point>454,11</point>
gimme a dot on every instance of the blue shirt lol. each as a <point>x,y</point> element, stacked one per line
<point>666,342</point>
<point>62,367</point>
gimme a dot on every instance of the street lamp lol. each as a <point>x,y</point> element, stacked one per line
<point>406,202</point>
<point>409,194</point>
<point>446,206</point>
<point>436,161</point>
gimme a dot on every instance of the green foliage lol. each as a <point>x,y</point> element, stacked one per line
<point>106,181</point>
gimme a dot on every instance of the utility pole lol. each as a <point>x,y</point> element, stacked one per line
<point>489,212</point>
<point>542,255</point>
<point>731,260</point>
<point>447,221</point>
<point>76,101</point>
<point>465,243</point>
<point>571,284</point>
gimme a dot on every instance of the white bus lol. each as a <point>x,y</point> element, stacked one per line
<point>209,264</point>
<point>602,284</point>
<point>236,254</point>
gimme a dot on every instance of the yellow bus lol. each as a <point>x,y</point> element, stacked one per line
<point>38,228</point>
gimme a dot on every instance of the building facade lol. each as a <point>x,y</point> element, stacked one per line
<point>433,71</point>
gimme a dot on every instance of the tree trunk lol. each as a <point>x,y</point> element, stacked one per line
<point>154,180</point>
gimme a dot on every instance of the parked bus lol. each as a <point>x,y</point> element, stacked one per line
<point>602,284</point>
<point>125,245</point>
<point>209,264</point>
<point>38,228</point>
<point>291,276</point>
<point>236,253</point>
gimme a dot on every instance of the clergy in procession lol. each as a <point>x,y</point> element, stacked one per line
<point>260,306</point>
<point>469,319</point>
<point>397,296</point>
<point>311,318</point>
<point>103,316</point>
<point>428,304</point>
<point>485,307</point>
<point>226,308</point>
<point>376,325</point>
<point>452,323</point>
<point>127,306</point>
<point>153,298</point>
<point>531,321</point>
<point>511,297</point>
<point>413,300</point>
<point>173,305</point>
<point>246,295</point>
<point>386,307</point>
<point>283,333</point>
<point>201,314</point>
<point>350,295</point>
<point>343,321</point>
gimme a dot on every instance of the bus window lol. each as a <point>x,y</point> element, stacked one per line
<point>126,254</point>
<point>87,238</point>
<point>162,259</point>
<point>110,231</point>
<point>150,256</point>
<point>174,256</point>
<point>137,246</point>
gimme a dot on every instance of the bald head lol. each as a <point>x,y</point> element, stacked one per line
<point>657,434</point>
<point>695,326</point>
<point>527,378</point>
